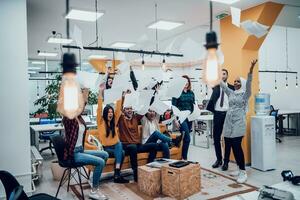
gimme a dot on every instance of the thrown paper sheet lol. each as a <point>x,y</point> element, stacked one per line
<point>144,101</point>
<point>159,106</point>
<point>254,28</point>
<point>123,67</point>
<point>196,113</point>
<point>182,115</point>
<point>168,121</point>
<point>122,81</point>
<point>77,36</point>
<point>235,16</point>
<point>175,87</point>
<point>131,100</point>
<point>87,79</point>
<point>112,95</point>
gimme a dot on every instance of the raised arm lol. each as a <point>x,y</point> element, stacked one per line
<point>133,79</point>
<point>118,110</point>
<point>249,80</point>
<point>226,89</point>
<point>99,109</point>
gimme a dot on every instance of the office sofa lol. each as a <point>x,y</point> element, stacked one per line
<point>175,152</point>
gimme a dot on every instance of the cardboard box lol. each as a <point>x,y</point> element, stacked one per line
<point>181,183</point>
<point>149,180</point>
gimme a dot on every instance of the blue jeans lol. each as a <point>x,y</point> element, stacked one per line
<point>96,158</point>
<point>164,145</point>
<point>117,151</point>
<point>185,128</point>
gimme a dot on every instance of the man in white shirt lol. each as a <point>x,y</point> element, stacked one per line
<point>218,104</point>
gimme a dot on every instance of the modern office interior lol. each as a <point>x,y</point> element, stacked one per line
<point>150,99</point>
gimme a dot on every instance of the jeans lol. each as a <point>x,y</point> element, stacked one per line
<point>163,146</point>
<point>117,151</point>
<point>236,145</point>
<point>219,118</point>
<point>96,158</point>
<point>185,128</point>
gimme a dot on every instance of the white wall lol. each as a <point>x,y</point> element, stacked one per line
<point>272,56</point>
<point>14,123</point>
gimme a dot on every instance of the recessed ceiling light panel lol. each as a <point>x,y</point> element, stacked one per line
<point>47,54</point>
<point>97,57</point>
<point>88,16</point>
<point>165,25</point>
<point>34,68</point>
<point>37,62</point>
<point>123,44</point>
<point>226,1</point>
<point>59,40</point>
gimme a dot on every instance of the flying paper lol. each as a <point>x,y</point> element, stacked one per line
<point>87,79</point>
<point>175,87</point>
<point>123,67</point>
<point>121,81</point>
<point>235,16</point>
<point>131,100</point>
<point>254,28</point>
<point>159,106</point>
<point>144,101</point>
<point>196,113</point>
<point>182,115</point>
<point>77,36</point>
<point>168,121</point>
<point>101,80</point>
<point>112,95</point>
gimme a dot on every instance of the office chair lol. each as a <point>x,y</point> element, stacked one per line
<point>275,114</point>
<point>59,146</point>
<point>14,191</point>
<point>46,135</point>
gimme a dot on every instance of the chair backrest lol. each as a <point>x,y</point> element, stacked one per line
<point>10,183</point>
<point>59,146</point>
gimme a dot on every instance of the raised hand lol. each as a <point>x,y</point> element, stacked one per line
<point>253,63</point>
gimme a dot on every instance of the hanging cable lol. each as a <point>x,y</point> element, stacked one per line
<point>96,25</point>
<point>211,16</point>
<point>156,31</point>
<point>287,58</point>
<point>275,82</point>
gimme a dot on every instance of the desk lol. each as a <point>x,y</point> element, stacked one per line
<point>283,186</point>
<point>207,118</point>
<point>281,113</point>
<point>36,129</point>
<point>36,120</point>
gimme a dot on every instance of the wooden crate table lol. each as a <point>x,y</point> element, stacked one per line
<point>149,180</point>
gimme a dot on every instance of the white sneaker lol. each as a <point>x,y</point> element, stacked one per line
<point>97,195</point>
<point>234,173</point>
<point>242,178</point>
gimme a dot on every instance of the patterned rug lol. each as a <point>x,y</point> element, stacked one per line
<point>214,186</point>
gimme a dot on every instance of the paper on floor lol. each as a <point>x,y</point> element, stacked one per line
<point>235,16</point>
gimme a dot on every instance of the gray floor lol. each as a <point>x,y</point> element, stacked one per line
<point>287,158</point>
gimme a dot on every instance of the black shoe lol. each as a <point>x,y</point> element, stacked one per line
<point>217,164</point>
<point>225,166</point>
<point>120,179</point>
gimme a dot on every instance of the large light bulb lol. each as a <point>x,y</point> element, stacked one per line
<point>143,65</point>
<point>212,68</point>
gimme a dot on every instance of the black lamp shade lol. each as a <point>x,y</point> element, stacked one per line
<point>69,63</point>
<point>211,40</point>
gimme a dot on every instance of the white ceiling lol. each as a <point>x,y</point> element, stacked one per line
<point>127,20</point>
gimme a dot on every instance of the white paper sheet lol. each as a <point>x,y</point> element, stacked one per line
<point>168,121</point>
<point>175,87</point>
<point>123,67</point>
<point>121,81</point>
<point>77,36</point>
<point>144,101</point>
<point>182,115</point>
<point>254,28</point>
<point>87,79</point>
<point>112,95</point>
<point>131,100</point>
<point>235,16</point>
<point>196,113</point>
<point>159,106</point>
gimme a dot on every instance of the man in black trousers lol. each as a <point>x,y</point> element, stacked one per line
<point>218,104</point>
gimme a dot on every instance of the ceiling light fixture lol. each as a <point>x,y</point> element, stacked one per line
<point>33,68</point>
<point>297,80</point>
<point>88,16</point>
<point>165,25</point>
<point>123,44</point>
<point>37,62</point>
<point>31,72</point>
<point>56,40</point>
<point>97,57</point>
<point>47,54</point>
<point>229,2</point>
<point>163,66</point>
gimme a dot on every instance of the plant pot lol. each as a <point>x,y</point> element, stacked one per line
<point>57,171</point>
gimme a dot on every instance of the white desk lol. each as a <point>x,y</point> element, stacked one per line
<point>283,186</point>
<point>207,118</point>
<point>36,129</point>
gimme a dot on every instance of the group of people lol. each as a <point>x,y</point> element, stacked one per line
<point>229,104</point>
<point>119,135</point>
<point>118,128</point>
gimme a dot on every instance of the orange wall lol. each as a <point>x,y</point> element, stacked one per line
<point>239,49</point>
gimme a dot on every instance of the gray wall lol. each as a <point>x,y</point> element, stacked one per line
<point>14,134</point>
